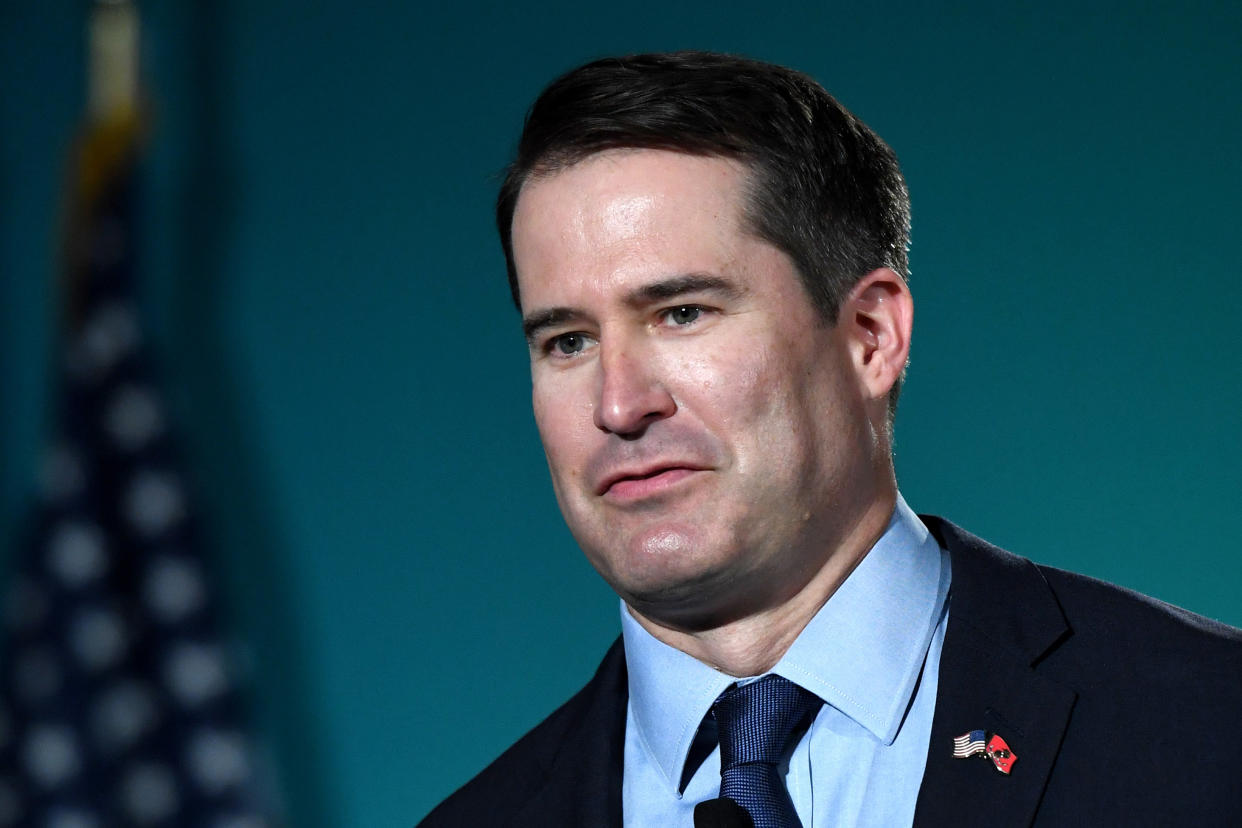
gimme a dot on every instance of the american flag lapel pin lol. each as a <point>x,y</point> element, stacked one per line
<point>976,742</point>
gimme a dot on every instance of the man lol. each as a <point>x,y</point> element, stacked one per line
<point>709,255</point>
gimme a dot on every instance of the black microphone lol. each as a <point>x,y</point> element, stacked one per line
<point>721,813</point>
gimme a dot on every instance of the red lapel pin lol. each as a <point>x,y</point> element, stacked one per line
<point>976,742</point>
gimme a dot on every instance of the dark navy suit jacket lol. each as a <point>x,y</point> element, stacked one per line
<point>1121,710</point>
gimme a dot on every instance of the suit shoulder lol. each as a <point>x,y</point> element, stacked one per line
<point>1134,628</point>
<point>510,781</point>
<point>1135,700</point>
<point>1086,632</point>
<point>520,769</point>
<point>1157,694</point>
<point>1082,594</point>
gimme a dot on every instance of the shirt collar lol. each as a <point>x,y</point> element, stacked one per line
<point>862,653</point>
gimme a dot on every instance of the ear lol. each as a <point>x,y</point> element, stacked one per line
<point>876,318</point>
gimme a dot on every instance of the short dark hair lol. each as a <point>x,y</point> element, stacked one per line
<point>823,187</point>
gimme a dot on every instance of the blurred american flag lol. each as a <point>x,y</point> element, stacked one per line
<point>118,699</point>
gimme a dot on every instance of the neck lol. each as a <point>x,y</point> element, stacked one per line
<point>751,645</point>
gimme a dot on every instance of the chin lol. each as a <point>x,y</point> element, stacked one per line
<point>689,595</point>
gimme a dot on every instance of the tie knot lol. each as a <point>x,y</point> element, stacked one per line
<point>756,720</point>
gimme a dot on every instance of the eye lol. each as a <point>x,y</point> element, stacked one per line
<point>683,314</point>
<point>569,344</point>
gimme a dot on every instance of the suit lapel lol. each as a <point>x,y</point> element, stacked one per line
<point>1003,619</point>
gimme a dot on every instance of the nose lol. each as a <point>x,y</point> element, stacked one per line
<point>631,395</point>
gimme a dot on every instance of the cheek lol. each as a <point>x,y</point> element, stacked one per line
<point>726,383</point>
<point>770,406</point>
<point>564,421</point>
<point>746,392</point>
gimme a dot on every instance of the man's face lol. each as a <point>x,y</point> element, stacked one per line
<point>705,429</point>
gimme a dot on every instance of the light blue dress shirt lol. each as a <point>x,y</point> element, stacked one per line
<point>872,653</point>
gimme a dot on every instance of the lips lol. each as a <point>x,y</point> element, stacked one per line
<point>630,483</point>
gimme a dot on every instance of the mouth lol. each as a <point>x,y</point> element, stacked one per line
<point>635,485</point>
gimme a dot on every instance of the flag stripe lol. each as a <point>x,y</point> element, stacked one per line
<point>969,744</point>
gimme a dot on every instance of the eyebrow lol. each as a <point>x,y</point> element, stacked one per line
<point>680,285</point>
<point>662,290</point>
<point>547,318</point>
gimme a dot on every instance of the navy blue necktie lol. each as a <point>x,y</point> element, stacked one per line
<point>756,722</point>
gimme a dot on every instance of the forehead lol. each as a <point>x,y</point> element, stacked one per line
<point>619,215</point>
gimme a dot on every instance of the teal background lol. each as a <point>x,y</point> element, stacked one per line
<point>329,300</point>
